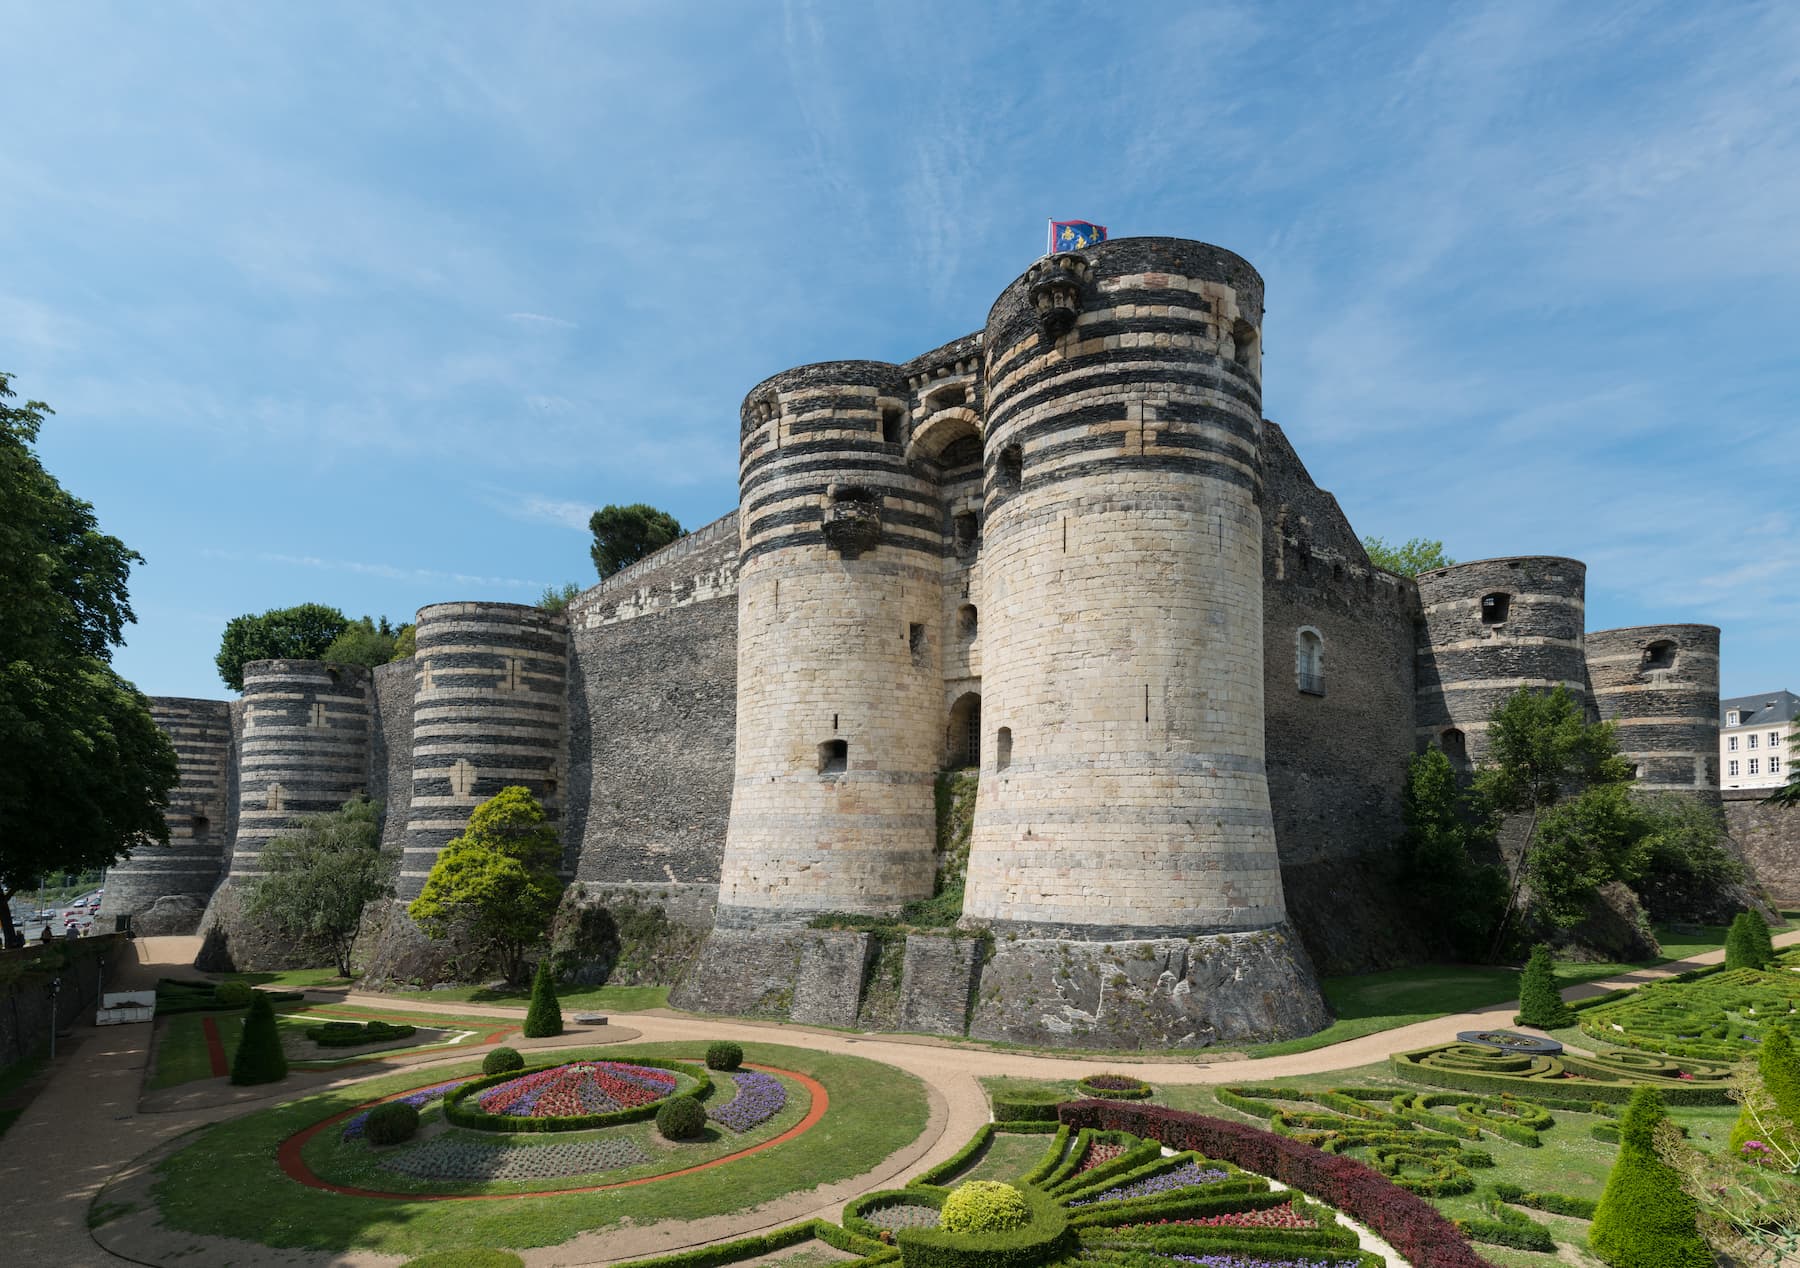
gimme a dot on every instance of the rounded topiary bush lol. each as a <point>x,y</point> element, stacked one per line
<point>390,1123</point>
<point>984,1206</point>
<point>502,1061</point>
<point>682,1118</point>
<point>233,994</point>
<point>724,1055</point>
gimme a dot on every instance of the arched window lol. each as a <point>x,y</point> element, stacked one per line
<point>1494,607</point>
<point>1009,473</point>
<point>1309,661</point>
<point>962,735</point>
<point>1660,654</point>
<point>1003,748</point>
<point>967,621</point>
<point>1454,746</point>
<point>834,757</point>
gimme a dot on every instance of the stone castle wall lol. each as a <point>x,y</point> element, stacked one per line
<point>1769,838</point>
<point>1659,687</point>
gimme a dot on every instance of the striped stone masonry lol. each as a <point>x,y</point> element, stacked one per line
<point>489,698</point>
<point>1491,627</point>
<point>199,820</point>
<point>1659,687</point>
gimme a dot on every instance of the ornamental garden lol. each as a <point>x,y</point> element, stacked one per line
<point>457,1138</point>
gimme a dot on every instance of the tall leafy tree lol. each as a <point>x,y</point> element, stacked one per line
<point>366,642</point>
<point>302,632</point>
<point>625,534</point>
<point>84,772</point>
<point>1446,827</point>
<point>318,878</point>
<point>497,882</point>
<point>1410,558</point>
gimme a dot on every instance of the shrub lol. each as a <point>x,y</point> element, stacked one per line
<point>1120,1087</point>
<point>1045,1238</point>
<point>544,1017</point>
<point>1747,942</point>
<point>1540,1003</point>
<point>724,1055</point>
<point>390,1123</point>
<point>502,1061</point>
<point>984,1206</point>
<point>1027,1107</point>
<point>1644,1219</point>
<point>349,1034</point>
<point>233,994</point>
<point>1779,1069</point>
<point>681,1118</point>
<point>259,1056</point>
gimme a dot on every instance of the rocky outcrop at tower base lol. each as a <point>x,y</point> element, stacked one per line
<point>1158,993</point>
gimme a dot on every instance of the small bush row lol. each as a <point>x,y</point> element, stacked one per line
<point>1026,1107</point>
<point>957,1161</point>
<point>1115,1087</point>
<point>351,1034</point>
<point>1555,1203</point>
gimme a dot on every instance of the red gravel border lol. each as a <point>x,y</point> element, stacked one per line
<point>215,1047</point>
<point>294,1165</point>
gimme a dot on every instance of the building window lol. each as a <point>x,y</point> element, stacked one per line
<point>1731,718</point>
<point>1774,739</point>
<point>891,419</point>
<point>962,736</point>
<point>1009,473</point>
<point>967,621</point>
<point>916,644</point>
<point>1455,746</point>
<point>1309,661</point>
<point>967,529</point>
<point>1753,769</point>
<point>1660,654</point>
<point>1731,768</point>
<point>834,757</point>
<point>1774,769</point>
<point>1750,740</point>
<point>1731,744</point>
<point>1494,607</point>
<point>1003,748</point>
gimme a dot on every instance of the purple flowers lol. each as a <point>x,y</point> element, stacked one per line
<point>759,1098</point>
<point>353,1129</point>
<point>1226,1259</point>
<point>1187,1174</point>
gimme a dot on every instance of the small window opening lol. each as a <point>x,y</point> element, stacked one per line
<point>1494,607</point>
<point>1454,746</point>
<point>966,528</point>
<point>1010,471</point>
<point>1243,337</point>
<point>201,825</point>
<point>891,419</point>
<point>834,757</point>
<point>1309,662</point>
<point>946,397</point>
<point>854,493</point>
<point>915,642</point>
<point>967,620</point>
<point>1660,654</point>
<point>1003,748</point>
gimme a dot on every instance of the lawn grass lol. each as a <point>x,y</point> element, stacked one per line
<point>875,1109</point>
<point>1008,1156</point>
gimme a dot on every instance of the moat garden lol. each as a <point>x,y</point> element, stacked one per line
<point>427,1127</point>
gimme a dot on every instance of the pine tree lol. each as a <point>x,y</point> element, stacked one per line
<point>1540,1003</point>
<point>1645,1219</point>
<point>1778,1066</point>
<point>259,1057</point>
<point>544,1017</point>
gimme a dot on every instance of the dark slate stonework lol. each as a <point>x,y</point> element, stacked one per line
<point>828,982</point>
<point>938,981</point>
<point>1161,993</point>
<point>234,943</point>
<point>653,716</point>
<point>390,751</point>
<point>743,973</point>
<point>1665,716</point>
<point>630,935</point>
<point>1336,761</point>
<point>393,951</point>
<point>1769,837</point>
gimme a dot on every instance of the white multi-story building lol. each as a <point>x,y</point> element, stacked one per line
<point>1753,739</point>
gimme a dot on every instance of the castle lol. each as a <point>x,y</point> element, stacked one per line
<point>1067,550</point>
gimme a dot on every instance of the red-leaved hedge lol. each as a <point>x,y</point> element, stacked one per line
<point>1407,1222</point>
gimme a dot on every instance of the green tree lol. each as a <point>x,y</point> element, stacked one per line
<point>1541,749</point>
<point>406,643</point>
<point>556,598</point>
<point>1583,842</point>
<point>365,642</point>
<point>625,534</point>
<point>259,1056</point>
<point>1410,558</point>
<point>1685,863</point>
<point>1747,943</point>
<point>497,880</point>
<point>1445,826</point>
<point>1540,1002</point>
<point>302,632</point>
<point>84,772</point>
<point>317,879</point>
<point>1773,1120</point>
<point>544,1018</point>
<point>1645,1219</point>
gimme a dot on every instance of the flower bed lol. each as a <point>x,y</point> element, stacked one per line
<point>1285,1216</point>
<point>353,1129</point>
<point>455,1157</point>
<point>759,1098</point>
<point>1184,1176</point>
<point>1121,1087</point>
<point>574,1096</point>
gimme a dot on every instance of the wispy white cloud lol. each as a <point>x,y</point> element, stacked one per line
<point>366,568</point>
<point>539,319</point>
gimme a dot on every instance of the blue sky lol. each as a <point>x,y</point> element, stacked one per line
<point>371,305</point>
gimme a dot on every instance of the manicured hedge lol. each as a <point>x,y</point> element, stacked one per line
<point>744,1248</point>
<point>1411,1225</point>
<point>1645,1219</point>
<point>958,1160</point>
<point>502,1060</point>
<point>1047,1237</point>
<point>1114,1087</point>
<point>351,1034</point>
<point>1417,1067</point>
<point>1029,1107</point>
<point>259,1056</point>
<point>1555,1203</point>
<point>460,1106</point>
<point>1053,1154</point>
<point>182,995</point>
<point>855,1217</point>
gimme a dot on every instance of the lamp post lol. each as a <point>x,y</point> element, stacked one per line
<point>55,1014</point>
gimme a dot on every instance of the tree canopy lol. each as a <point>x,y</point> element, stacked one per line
<point>1410,558</point>
<point>302,632</point>
<point>625,534</point>
<point>556,598</point>
<point>1447,826</point>
<point>366,642</point>
<point>497,882</point>
<point>84,771</point>
<point>318,878</point>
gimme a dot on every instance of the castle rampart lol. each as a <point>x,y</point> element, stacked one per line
<point>1659,687</point>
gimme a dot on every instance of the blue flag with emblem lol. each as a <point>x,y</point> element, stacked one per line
<point>1073,235</point>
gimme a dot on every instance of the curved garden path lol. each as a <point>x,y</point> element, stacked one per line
<point>86,1124</point>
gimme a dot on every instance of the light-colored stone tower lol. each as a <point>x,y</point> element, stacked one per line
<point>1659,686</point>
<point>839,679</point>
<point>1123,793</point>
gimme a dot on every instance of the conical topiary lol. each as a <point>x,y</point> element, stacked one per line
<point>544,1017</point>
<point>1747,942</point>
<point>1765,942</point>
<point>1778,1066</point>
<point>1645,1219</point>
<point>1540,1003</point>
<point>259,1057</point>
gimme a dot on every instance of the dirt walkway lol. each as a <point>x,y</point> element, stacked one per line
<point>86,1123</point>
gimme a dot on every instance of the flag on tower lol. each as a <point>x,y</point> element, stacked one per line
<point>1073,235</point>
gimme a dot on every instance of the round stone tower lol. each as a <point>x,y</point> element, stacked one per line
<point>164,889</point>
<point>488,713</point>
<point>1659,686</point>
<point>1491,627</point>
<point>839,683</point>
<point>1122,786</point>
<point>304,749</point>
